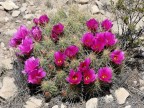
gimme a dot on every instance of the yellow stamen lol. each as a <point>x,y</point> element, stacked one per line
<point>104,76</point>
<point>87,77</point>
<point>115,58</point>
<point>59,61</point>
<point>74,77</point>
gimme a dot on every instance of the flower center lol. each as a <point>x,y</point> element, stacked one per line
<point>59,61</point>
<point>74,78</point>
<point>87,78</point>
<point>115,57</point>
<point>84,65</point>
<point>104,76</point>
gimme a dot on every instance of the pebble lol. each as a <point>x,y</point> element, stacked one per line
<point>9,88</point>
<point>108,98</point>
<point>23,9</point>
<point>82,1</point>
<point>99,4</point>
<point>16,13</point>
<point>24,5</point>
<point>7,63</point>
<point>1,8</point>
<point>29,16</point>
<point>121,95</point>
<point>92,103</point>
<point>33,102</point>
<point>83,7</point>
<point>9,5</point>
<point>95,9</point>
<point>142,89</point>
<point>56,106</point>
<point>2,45</point>
<point>63,106</point>
<point>128,106</point>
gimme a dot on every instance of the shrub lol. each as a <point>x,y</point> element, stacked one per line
<point>128,14</point>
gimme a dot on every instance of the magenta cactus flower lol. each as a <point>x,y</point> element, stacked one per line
<point>101,37</point>
<point>36,76</point>
<point>89,76</point>
<point>117,56</point>
<point>74,77</point>
<point>59,58</point>
<point>87,39</point>
<point>107,24</point>
<point>36,33</point>
<point>54,36</point>
<point>36,21</point>
<point>111,40</point>
<point>84,66</point>
<point>105,74</point>
<point>21,33</point>
<point>43,20</point>
<point>26,46</point>
<point>14,42</point>
<point>97,46</point>
<point>71,51</point>
<point>92,24</point>
<point>58,28</point>
<point>31,64</point>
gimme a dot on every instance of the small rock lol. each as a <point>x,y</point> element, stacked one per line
<point>82,1</point>
<point>95,9</point>
<point>31,3</point>
<point>6,19</point>
<point>128,106</point>
<point>46,105</point>
<point>29,22</point>
<point>23,9</point>
<point>92,103</point>
<point>26,12</point>
<point>24,5</point>
<point>142,54</point>
<point>15,13</point>
<point>107,2</point>
<point>142,89</point>
<point>9,88</point>
<point>108,98</point>
<point>0,84</point>
<point>118,27</point>
<point>10,32</point>
<point>83,7</point>
<point>29,16</point>
<point>56,106</point>
<point>18,21</point>
<point>7,63</point>
<point>142,38</point>
<point>135,83</point>
<point>2,45</point>
<point>141,82</point>
<point>1,8</point>
<point>2,20</point>
<point>9,5</point>
<point>121,95</point>
<point>99,4</point>
<point>33,103</point>
<point>63,106</point>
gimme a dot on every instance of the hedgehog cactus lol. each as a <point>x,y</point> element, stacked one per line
<point>75,62</point>
<point>49,86</point>
<point>60,79</point>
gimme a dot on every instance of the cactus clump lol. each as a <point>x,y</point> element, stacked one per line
<point>68,60</point>
<point>49,86</point>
